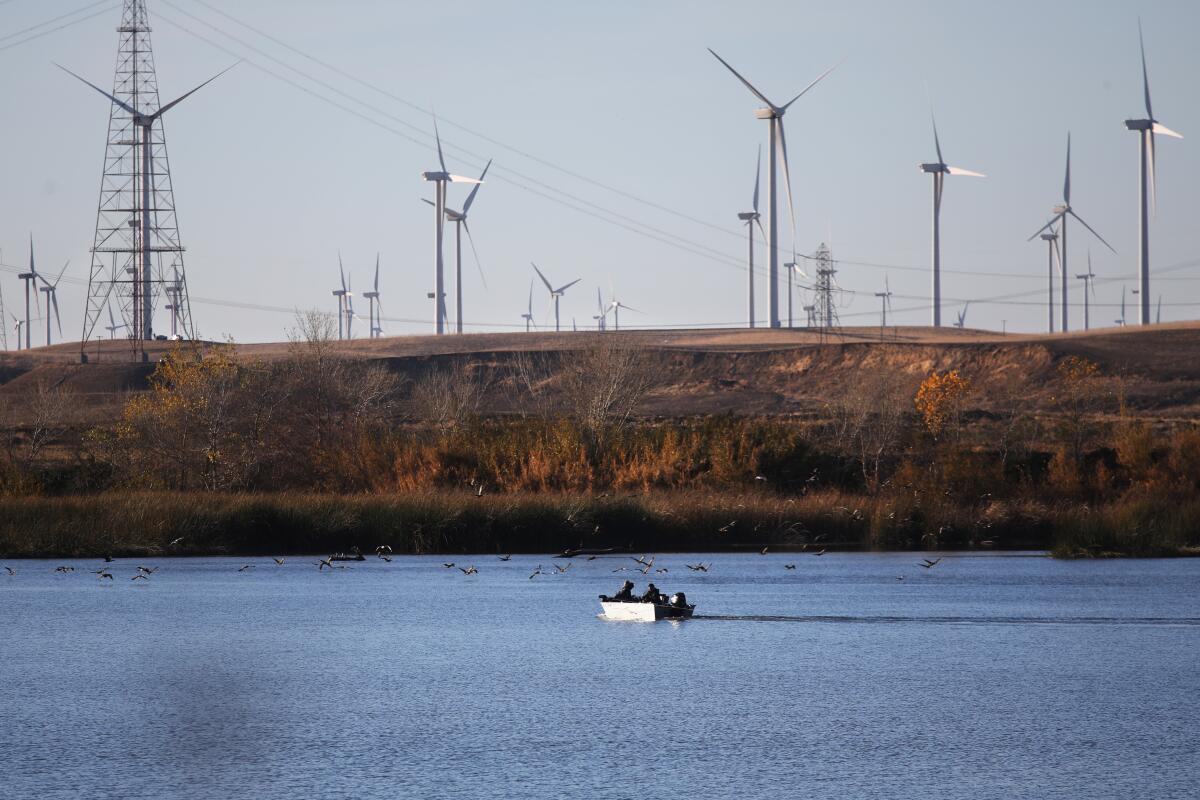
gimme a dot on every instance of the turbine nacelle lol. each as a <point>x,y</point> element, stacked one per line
<point>433,177</point>
<point>749,216</point>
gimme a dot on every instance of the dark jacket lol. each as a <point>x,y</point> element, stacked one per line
<point>626,592</point>
<point>651,595</point>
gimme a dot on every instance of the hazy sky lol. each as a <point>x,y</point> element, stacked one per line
<point>602,116</point>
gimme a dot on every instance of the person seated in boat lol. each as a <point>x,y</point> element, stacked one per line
<point>626,592</point>
<point>652,595</point>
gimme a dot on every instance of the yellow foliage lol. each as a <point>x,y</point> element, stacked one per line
<point>939,399</point>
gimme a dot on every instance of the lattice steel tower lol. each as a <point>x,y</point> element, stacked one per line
<point>137,254</point>
<point>824,312</point>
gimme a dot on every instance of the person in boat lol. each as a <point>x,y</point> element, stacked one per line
<point>626,592</point>
<point>652,595</point>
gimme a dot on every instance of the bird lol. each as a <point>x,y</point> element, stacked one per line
<point>899,577</point>
<point>505,558</point>
<point>789,566</point>
<point>820,552</point>
<point>536,572</point>
<point>148,570</point>
<point>620,569</point>
<point>175,542</point>
<point>561,570</point>
<point>763,552</point>
<point>448,564</point>
<point>661,570</point>
<point>388,559</point>
<point>479,491</point>
<point>64,569</point>
<point>244,567</point>
<point>104,575</point>
<point>278,561</point>
<point>469,570</point>
<point>141,576</point>
<point>108,559</point>
<point>383,548</point>
<point>642,560</point>
<point>697,567</point>
<point>727,528</point>
<point>760,478</point>
<point>11,571</point>
<point>325,562</point>
<point>927,564</point>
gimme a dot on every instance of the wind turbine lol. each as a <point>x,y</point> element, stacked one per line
<point>752,218</point>
<point>528,315</point>
<point>602,311</point>
<point>1089,282</point>
<point>939,171</point>
<point>1061,212</point>
<point>1121,321</point>
<point>30,277</point>
<point>615,307</point>
<point>885,302</point>
<point>51,290</point>
<point>145,123</point>
<point>373,297</point>
<point>555,294</point>
<point>792,267</point>
<point>340,294</point>
<point>1050,237</point>
<point>439,178</point>
<point>174,292</point>
<point>350,315</point>
<point>1158,315</point>
<point>1147,128</point>
<point>17,325</point>
<point>961,322</point>
<point>778,141</point>
<point>459,218</point>
<point>3,329</point>
<point>112,327</point>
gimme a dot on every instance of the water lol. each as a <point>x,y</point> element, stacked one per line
<point>985,677</point>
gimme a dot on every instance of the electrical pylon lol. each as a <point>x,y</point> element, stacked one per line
<point>136,227</point>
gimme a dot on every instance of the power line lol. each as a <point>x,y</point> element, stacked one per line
<point>64,26</point>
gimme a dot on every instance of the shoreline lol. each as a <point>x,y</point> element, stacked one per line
<point>157,524</point>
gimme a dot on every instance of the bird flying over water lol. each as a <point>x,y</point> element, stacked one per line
<point>148,570</point>
<point>244,567</point>
<point>141,576</point>
<point>175,542</point>
<point>64,569</point>
<point>789,566</point>
<point>278,561</point>
<point>505,558</point>
<point>383,548</point>
<point>469,570</point>
<point>104,575</point>
<point>698,567</point>
<point>11,571</point>
<point>536,572</point>
<point>927,564</point>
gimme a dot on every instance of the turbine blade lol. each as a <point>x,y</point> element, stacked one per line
<point>568,286</point>
<point>112,323</point>
<point>529,310</point>
<point>761,230</point>
<point>462,179</point>
<point>757,176</point>
<point>438,137</point>
<point>549,288</point>
<point>599,301</point>
<point>1145,72</point>
<point>787,179</point>
<point>1093,231</point>
<point>427,201</point>
<point>377,273</point>
<point>471,196</point>
<point>60,274</point>
<point>745,82</point>
<point>1067,180</point>
<point>181,98</point>
<point>474,252</point>
<point>57,316</point>
<point>1153,173</point>
<point>120,103</point>
<point>804,91</point>
<point>1053,221</point>
<point>1163,130</point>
<point>342,272</point>
<point>937,144</point>
<point>965,172</point>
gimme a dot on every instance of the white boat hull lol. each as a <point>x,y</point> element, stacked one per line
<point>643,612</point>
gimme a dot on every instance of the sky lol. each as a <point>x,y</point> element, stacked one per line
<point>622,150</point>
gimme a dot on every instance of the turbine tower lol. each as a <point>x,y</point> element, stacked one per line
<point>528,315</point>
<point>3,329</point>
<point>1061,212</point>
<point>135,220</point>
<point>555,294</point>
<point>375,328</point>
<point>1147,128</point>
<point>752,218</point>
<point>340,294</point>
<point>51,290</point>
<point>1089,283</point>
<point>778,142</point>
<point>885,302</point>
<point>1050,237</point>
<point>939,171</point>
<point>30,277</point>
<point>439,179</point>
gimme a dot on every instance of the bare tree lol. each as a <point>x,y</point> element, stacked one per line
<point>450,395</point>
<point>868,420</point>
<point>603,385</point>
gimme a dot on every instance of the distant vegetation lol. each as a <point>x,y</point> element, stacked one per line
<point>313,451</point>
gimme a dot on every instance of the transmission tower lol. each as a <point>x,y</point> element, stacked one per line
<point>137,234</point>
<point>824,308</point>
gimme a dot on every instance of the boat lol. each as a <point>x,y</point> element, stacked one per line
<point>641,611</point>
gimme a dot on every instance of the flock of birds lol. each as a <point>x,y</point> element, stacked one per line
<point>646,565</point>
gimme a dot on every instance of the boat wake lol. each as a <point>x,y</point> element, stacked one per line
<point>893,620</point>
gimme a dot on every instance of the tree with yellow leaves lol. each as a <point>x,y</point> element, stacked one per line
<point>939,400</point>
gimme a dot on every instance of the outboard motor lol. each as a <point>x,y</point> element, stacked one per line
<point>679,600</point>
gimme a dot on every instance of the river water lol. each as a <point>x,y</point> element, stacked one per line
<point>994,676</point>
